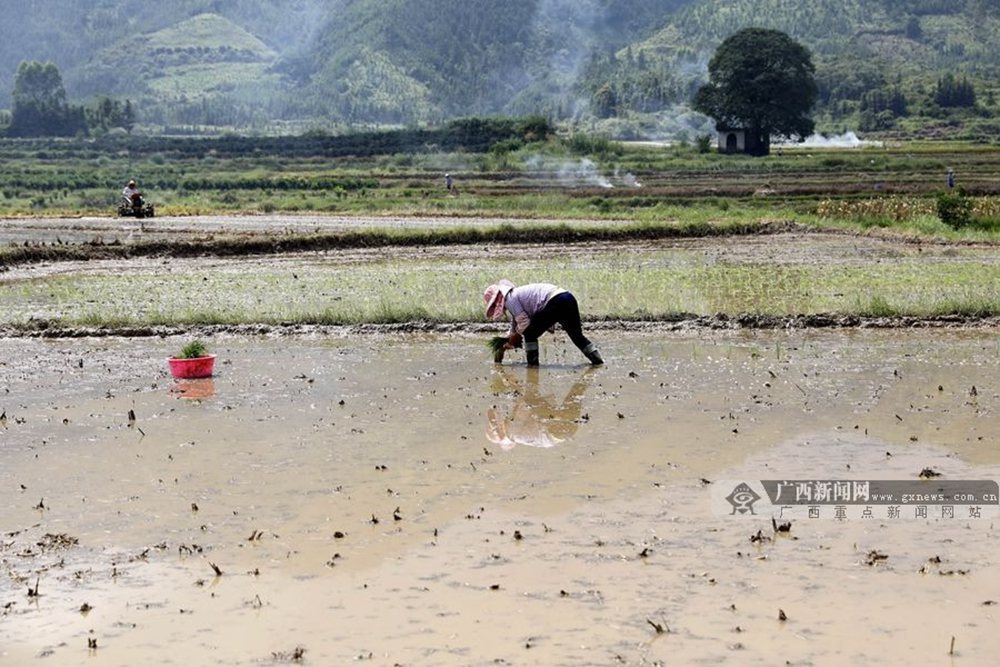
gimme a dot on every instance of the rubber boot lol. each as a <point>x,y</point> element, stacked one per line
<point>531,352</point>
<point>592,353</point>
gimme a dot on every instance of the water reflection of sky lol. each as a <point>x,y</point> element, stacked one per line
<point>531,414</point>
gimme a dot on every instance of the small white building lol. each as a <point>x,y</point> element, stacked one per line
<point>732,141</point>
<point>738,140</point>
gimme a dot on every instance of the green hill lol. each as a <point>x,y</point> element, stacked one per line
<point>905,36</point>
<point>462,57</point>
<point>144,62</point>
<point>881,64</point>
<point>71,32</point>
<point>198,63</point>
<point>878,62</point>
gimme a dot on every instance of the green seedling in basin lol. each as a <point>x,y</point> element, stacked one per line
<point>193,350</point>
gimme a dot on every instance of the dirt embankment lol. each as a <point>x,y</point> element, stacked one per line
<point>228,236</point>
<point>234,245</point>
<point>684,322</point>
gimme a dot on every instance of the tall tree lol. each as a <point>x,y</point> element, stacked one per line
<point>39,106</point>
<point>952,92</point>
<point>763,82</point>
<point>107,113</point>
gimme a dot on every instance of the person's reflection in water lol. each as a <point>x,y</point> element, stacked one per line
<point>534,419</point>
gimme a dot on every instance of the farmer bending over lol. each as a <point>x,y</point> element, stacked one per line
<point>535,308</point>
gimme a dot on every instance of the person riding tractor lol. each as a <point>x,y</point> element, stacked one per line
<point>131,191</point>
<point>133,204</point>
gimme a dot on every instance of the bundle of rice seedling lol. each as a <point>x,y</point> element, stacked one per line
<point>496,344</point>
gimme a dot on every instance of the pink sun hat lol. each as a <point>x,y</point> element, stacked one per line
<point>494,297</point>
<point>496,430</point>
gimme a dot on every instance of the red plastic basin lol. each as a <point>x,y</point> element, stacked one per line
<point>199,367</point>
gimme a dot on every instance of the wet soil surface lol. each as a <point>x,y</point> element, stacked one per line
<point>164,228</point>
<point>214,287</point>
<point>398,499</point>
<point>788,245</point>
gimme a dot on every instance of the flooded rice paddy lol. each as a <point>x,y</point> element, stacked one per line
<point>777,274</point>
<point>398,499</point>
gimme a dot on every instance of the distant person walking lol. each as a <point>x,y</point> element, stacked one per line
<point>536,308</point>
<point>448,182</point>
<point>951,178</point>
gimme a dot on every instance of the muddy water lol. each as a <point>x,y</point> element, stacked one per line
<point>401,500</point>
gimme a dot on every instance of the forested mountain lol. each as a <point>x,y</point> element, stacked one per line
<point>355,60</point>
<point>405,60</point>
<point>240,63</point>
<point>204,70</point>
<point>878,61</point>
<point>81,36</point>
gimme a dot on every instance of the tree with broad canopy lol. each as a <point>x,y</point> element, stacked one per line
<point>762,82</point>
<point>39,104</point>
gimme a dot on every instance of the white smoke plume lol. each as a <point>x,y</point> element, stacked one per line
<point>846,140</point>
<point>571,173</point>
<point>583,172</point>
<point>629,180</point>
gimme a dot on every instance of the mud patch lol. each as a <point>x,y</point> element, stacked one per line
<point>186,243</point>
<point>398,498</point>
<point>59,231</point>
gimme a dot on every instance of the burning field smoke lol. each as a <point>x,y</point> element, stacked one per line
<point>629,180</point>
<point>582,173</point>
<point>846,140</point>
